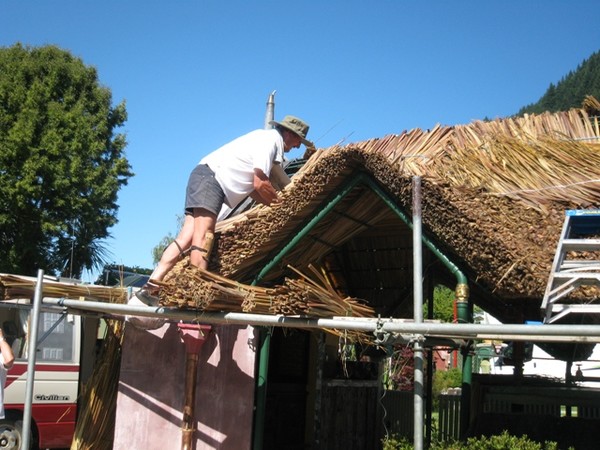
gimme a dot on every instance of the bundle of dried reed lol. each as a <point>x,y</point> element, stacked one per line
<point>535,171</point>
<point>96,421</point>
<point>15,286</point>
<point>190,287</point>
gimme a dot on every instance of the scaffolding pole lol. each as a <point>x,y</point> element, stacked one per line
<point>382,328</point>
<point>31,357</point>
<point>418,348</point>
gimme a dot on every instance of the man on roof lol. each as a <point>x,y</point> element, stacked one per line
<point>234,171</point>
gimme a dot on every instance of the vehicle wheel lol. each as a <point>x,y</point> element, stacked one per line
<point>11,434</point>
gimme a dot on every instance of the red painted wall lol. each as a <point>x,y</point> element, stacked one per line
<point>152,389</point>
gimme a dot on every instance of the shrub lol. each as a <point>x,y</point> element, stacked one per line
<point>506,441</point>
<point>393,442</point>
<point>502,441</point>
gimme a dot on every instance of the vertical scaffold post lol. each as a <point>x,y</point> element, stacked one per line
<point>32,352</point>
<point>418,313</point>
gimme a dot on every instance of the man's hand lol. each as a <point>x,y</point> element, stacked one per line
<point>263,190</point>
<point>310,150</point>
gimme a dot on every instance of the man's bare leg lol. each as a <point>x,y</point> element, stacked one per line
<point>172,253</point>
<point>203,223</point>
<point>149,292</point>
<point>193,236</point>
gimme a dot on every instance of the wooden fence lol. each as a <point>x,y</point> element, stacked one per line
<point>349,418</point>
<point>397,413</point>
<point>398,417</point>
<point>449,417</point>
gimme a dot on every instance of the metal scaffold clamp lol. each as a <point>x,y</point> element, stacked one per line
<point>381,336</point>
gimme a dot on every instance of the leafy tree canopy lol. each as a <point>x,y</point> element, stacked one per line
<point>61,164</point>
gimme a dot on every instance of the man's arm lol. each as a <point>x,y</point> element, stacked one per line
<point>263,190</point>
<point>278,178</point>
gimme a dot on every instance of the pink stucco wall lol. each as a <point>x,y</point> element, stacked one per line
<point>151,389</point>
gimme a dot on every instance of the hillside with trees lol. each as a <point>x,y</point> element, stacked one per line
<point>571,90</point>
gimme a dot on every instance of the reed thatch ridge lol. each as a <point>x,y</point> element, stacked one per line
<point>493,194</point>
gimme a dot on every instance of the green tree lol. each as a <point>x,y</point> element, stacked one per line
<point>443,304</point>
<point>570,91</point>
<point>443,380</point>
<point>61,163</point>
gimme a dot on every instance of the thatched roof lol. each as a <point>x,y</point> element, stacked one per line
<point>493,198</point>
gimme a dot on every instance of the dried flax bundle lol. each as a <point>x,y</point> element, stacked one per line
<point>322,299</point>
<point>96,421</point>
<point>14,286</point>
<point>191,287</point>
<point>95,425</point>
<point>291,300</point>
<point>195,288</point>
<point>244,243</point>
<point>535,171</point>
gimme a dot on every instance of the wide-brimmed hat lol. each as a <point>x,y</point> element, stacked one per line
<point>295,125</point>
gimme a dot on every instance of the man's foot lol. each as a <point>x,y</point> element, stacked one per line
<point>148,294</point>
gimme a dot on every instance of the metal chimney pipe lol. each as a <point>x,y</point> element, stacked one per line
<point>270,114</point>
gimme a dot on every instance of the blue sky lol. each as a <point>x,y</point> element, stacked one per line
<point>196,74</point>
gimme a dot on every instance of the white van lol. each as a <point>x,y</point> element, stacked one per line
<point>58,371</point>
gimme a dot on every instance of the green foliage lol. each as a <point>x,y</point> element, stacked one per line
<point>443,304</point>
<point>503,441</point>
<point>445,379</point>
<point>399,373</point>
<point>570,91</point>
<point>61,165</point>
<point>442,381</point>
<point>394,442</point>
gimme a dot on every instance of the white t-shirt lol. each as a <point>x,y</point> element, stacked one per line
<point>234,163</point>
<point>3,372</point>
